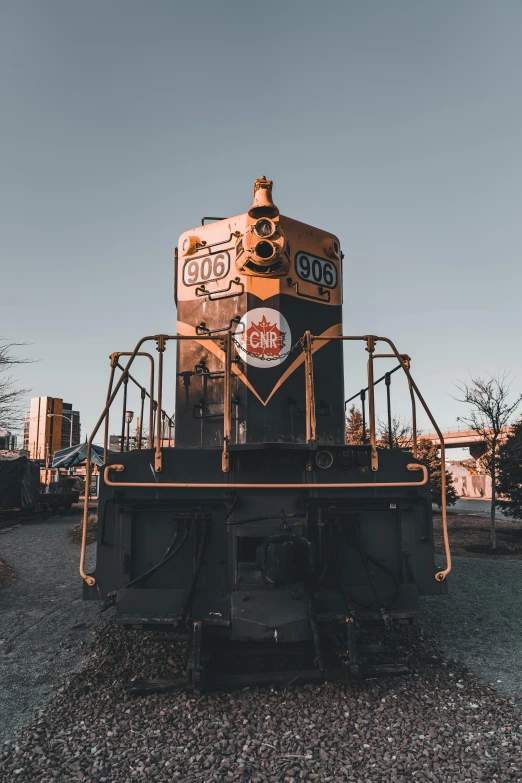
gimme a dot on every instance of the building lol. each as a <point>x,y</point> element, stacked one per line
<point>7,441</point>
<point>47,427</point>
<point>115,443</point>
<point>468,482</point>
<point>73,418</point>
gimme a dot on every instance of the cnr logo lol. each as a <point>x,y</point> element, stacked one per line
<point>265,338</point>
<point>264,334</point>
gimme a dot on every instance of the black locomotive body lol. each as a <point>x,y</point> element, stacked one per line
<point>258,523</point>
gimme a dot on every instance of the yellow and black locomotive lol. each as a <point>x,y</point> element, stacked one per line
<point>252,521</point>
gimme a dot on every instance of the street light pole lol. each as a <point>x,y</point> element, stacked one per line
<point>69,419</point>
<point>129,415</point>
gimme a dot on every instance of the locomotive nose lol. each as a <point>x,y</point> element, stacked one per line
<point>263,241</point>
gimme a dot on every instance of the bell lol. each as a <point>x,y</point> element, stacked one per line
<point>263,205</point>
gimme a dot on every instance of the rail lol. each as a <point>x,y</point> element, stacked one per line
<point>238,485</point>
<point>226,340</point>
<point>404,362</point>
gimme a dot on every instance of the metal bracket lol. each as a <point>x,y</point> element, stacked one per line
<point>203,329</point>
<point>195,669</point>
<point>225,457</point>
<point>324,408</point>
<point>202,370</point>
<point>210,218</point>
<point>202,291</point>
<point>201,406</point>
<point>324,293</point>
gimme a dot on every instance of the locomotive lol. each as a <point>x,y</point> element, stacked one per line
<point>254,523</point>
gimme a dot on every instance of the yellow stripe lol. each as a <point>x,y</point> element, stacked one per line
<point>189,331</point>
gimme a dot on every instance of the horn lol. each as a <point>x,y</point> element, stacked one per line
<point>263,205</point>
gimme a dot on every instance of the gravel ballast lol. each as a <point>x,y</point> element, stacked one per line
<point>44,622</point>
<point>480,622</point>
<point>441,723</point>
<point>438,724</point>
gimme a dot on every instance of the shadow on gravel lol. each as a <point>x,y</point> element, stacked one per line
<point>45,625</point>
<point>479,622</point>
<point>437,724</point>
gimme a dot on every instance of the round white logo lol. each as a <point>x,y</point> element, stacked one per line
<point>263,337</point>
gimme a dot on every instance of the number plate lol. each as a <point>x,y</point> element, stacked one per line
<point>203,270</point>
<point>316,270</point>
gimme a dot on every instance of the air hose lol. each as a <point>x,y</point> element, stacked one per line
<point>195,576</point>
<point>171,552</point>
<point>380,603</point>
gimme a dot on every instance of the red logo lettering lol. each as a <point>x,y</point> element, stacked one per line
<point>264,339</point>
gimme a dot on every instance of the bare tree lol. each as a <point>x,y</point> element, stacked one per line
<point>400,436</point>
<point>11,415</point>
<point>490,413</point>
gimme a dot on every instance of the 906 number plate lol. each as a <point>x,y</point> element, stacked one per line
<point>316,270</point>
<point>202,270</point>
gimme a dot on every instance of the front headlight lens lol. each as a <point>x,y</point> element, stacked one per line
<point>264,228</point>
<point>265,250</point>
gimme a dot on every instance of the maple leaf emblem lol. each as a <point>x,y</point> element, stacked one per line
<point>264,339</point>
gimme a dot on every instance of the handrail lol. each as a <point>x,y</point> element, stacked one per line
<point>441,575</point>
<point>118,468</point>
<point>89,579</point>
<point>370,347</point>
<point>376,356</point>
<point>144,393</point>
<point>404,362</point>
<point>161,341</point>
<point>115,364</point>
<point>226,343</point>
<point>311,428</point>
<point>387,378</point>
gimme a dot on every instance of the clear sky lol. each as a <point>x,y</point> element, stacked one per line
<point>396,125</point>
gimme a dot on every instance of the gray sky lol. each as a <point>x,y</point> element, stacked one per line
<point>396,125</point>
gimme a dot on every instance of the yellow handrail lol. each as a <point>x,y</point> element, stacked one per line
<point>308,339</point>
<point>261,485</point>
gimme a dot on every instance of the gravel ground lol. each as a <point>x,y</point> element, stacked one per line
<point>438,724</point>
<point>441,723</point>
<point>45,624</point>
<point>480,622</point>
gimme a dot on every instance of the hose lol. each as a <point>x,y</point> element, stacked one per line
<point>365,557</point>
<point>195,576</point>
<point>380,603</point>
<point>171,551</point>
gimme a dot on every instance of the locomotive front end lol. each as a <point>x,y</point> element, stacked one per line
<point>246,517</point>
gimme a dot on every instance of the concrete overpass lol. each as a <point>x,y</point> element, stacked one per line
<point>458,439</point>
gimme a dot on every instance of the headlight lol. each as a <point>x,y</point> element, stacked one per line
<point>264,228</point>
<point>265,250</point>
<point>324,460</point>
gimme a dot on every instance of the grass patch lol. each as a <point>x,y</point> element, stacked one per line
<point>75,533</point>
<point>469,536</point>
<point>8,575</point>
